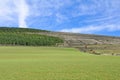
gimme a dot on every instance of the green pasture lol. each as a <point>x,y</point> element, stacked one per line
<point>50,63</point>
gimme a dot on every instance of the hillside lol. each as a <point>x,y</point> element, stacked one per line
<point>95,44</point>
<point>76,39</point>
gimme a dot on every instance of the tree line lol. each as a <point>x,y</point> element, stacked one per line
<point>19,30</point>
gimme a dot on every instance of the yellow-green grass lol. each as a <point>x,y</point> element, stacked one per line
<point>50,63</point>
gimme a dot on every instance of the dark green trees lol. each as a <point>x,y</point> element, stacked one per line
<point>17,37</point>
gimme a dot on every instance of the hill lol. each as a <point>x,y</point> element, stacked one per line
<point>95,44</point>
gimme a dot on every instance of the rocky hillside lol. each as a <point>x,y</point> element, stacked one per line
<point>74,39</point>
<point>94,44</point>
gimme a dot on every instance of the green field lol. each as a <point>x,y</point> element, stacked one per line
<point>49,63</point>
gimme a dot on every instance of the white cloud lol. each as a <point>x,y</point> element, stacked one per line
<point>6,10</point>
<point>23,11</point>
<point>104,11</point>
<point>93,29</point>
<point>47,8</point>
<point>19,10</point>
<point>13,11</point>
<point>60,18</point>
<point>98,11</point>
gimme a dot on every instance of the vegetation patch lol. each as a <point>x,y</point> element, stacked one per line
<point>28,39</point>
<point>16,36</point>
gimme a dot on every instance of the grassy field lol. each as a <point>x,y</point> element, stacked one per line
<point>49,63</point>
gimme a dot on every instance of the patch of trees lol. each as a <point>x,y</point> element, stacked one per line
<point>20,36</point>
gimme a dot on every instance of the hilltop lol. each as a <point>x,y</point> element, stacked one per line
<point>14,29</point>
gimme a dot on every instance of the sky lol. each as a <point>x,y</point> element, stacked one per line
<point>78,16</point>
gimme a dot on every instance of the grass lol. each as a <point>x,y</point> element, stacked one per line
<point>50,63</point>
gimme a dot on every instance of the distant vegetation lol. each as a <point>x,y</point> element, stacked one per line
<point>18,36</point>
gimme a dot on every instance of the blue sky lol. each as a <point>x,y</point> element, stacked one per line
<point>78,16</point>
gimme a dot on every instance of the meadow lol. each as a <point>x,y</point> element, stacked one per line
<point>55,63</point>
